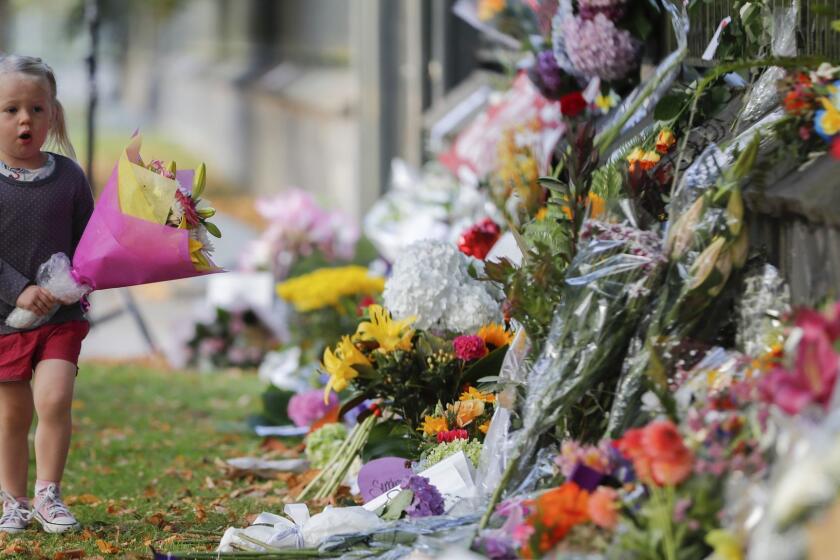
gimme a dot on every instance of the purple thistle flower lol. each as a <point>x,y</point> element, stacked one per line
<point>597,48</point>
<point>427,499</point>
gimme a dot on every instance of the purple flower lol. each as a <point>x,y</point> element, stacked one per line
<point>549,78</point>
<point>306,408</point>
<point>496,545</point>
<point>597,48</point>
<point>427,499</point>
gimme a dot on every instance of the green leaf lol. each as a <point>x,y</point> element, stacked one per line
<point>670,106</point>
<point>213,230</point>
<point>398,505</point>
<point>390,438</point>
<point>554,185</point>
<point>835,25</point>
<point>489,365</point>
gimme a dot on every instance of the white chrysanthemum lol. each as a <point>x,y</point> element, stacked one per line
<point>430,281</point>
<point>200,234</point>
<point>176,212</point>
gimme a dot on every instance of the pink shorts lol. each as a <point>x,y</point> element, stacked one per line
<point>21,352</point>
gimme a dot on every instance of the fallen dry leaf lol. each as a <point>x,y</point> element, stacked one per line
<point>86,535</point>
<point>14,548</point>
<point>150,491</point>
<point>106,547</point>
<point>84,499</point>
<point>157,519</point>
<point>68,554</point>
<point>200,514</point>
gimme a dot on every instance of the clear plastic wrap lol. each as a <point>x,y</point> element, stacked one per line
<point>708,167</point>
<point>56,276</point>
<point>706,243</point>
<point>498,442</point>
<point>764,95</point>
<point>608,286</point>
<point>764,302</point>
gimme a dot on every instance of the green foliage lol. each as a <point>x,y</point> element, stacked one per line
<point>390,438</point>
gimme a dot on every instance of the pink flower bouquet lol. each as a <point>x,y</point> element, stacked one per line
<point>148,226</point>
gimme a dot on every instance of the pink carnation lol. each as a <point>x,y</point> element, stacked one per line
<point>307,408</point>
<point>469,347</point>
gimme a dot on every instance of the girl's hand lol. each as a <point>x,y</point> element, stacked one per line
<point>37,300</point>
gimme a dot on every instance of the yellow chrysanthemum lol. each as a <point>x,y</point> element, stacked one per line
<point>433,425</point>
<point>326,286</point>
<point>340,365</point>
<point>541,214</point>
<point>473,394</point>
<point>487,9</point>
<point>495,334</point>
<point>484,427</point>
<point>389,334</point>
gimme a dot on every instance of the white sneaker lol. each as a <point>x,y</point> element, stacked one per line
<point>51,512</point>
<point>16,516</point>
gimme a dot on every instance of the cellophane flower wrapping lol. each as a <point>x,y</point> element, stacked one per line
<point>56,276</point>
<point>608,286</point>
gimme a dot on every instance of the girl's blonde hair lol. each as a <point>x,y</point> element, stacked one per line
<point>32,66</point>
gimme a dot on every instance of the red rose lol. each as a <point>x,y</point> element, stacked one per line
<point>572,104</point>
<point>479,239</point>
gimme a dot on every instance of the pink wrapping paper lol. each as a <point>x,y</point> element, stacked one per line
<point>118,250</point>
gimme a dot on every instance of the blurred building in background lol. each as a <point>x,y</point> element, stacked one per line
<point>317,94</point>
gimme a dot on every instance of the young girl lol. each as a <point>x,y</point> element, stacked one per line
<point>45,203</point>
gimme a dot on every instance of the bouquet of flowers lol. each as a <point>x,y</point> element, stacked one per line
<point>327,303</point>
<point>607,289</point>
<point>410,370</point>
<point>299,228</point>
<point>459,426</point>
<point>704,246</point>
<point>150,225</point>
<point>237,338</point>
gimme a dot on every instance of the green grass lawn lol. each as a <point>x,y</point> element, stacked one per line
<point>143,467</point>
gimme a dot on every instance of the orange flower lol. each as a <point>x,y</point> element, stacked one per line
<point>665,140</point>
<point>661,441</point>
<point>541,214</point>
<point>466,411</point>
<point>596,206</point>
<point>658,453</point>
<point>473,394</point>
<point>603,507</point>
<point>557,511</point>
<point>433,425</point>
<point>484,427</point>
<point>649,161</point>
<point>487,9</point>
